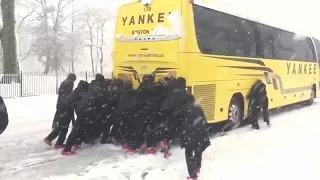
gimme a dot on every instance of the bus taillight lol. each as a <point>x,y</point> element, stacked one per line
<point>191,1</point>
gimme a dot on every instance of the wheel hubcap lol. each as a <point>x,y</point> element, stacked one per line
<point>234,114</point>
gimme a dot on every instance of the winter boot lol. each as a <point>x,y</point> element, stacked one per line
<point>49,143</point>
<point>125,146</point>
<point>57,146</point>
<point>167,155</point>
<point>67,153</point>
<point>198,171</point>
<point>255,126</point>
<point>75,147</point>
<point>164,146</point>
<point>150,151</point>
<point>131,150</point>
<point>114,140</point>
<point>190,178</point>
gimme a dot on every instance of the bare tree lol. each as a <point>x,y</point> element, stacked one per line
<point>72,30</point>
<point>50,32</point>
<point>102,24</point>
<point>88,18</point>
<point>96,19</point>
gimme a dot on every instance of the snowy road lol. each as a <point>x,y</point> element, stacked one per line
<point>288,150</point>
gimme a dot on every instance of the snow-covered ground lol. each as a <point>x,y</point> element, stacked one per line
<point>288,150</point>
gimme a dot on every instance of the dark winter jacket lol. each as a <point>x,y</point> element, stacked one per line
<point>88,104</point>
<point>127,99</point>
<point>64,91</point>
<point>147,97</point>
<point>79,93</point>
<point>66,86</point>
<point>4,120</point>
<point>257,95</point>
<point>193,130</point>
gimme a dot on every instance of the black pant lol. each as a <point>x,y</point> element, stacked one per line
<point>63,119</point>
<point>58,131</point>
<point>193,159</point>
<point>78,133</point>
<point>255,115</point>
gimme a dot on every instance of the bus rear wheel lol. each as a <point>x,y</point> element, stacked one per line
<point>235,113</point>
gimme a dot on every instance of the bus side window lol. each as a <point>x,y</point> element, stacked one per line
<point>267,49</point>
<point>310,50</point>
<point>284,45</point>
<point>317,48</point>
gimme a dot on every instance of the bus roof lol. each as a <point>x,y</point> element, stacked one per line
<point>212,4</point>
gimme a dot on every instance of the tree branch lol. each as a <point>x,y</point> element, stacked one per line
<point>26,55</point>
<point>65,18</point>
<point>93,46</point>
<point>65,5</point>
<point>23,19</point>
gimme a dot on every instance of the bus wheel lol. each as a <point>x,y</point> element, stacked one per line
<point>312,95</point>
<point>235,113</point>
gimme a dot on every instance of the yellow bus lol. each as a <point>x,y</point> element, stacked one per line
<point>219,53</point>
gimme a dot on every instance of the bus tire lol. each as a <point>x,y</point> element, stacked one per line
<point>235,112</point>
<point>312,96</point>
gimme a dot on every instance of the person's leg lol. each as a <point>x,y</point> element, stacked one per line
<point>191,163</point>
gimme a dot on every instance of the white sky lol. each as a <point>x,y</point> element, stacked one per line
<point>296,15</point>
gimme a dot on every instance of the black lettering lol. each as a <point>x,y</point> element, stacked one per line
<point>160,17</point>
<point>132,21</point>
<point>300,69</point>
<point>141,19</point>
<point>310,68</point>
<point>150,20</point>
<point>148,8</point>
<point>315,69</point>
<point>288,68</point>
<point>294,71</point>
<point>305,69</point>
<point>124,19</point>
<point>145,31</point>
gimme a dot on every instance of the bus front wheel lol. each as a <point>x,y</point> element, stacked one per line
<point>235,112</point>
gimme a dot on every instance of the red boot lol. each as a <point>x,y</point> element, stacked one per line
<point>190,178</point>
<point>57,146</point>
<point>125,146</point>
<point>75,147</point>
<point>198,171</point>
<point>114,140</point>
<point>67,153</point>
<point>131,150</point>
<point>150,151</point>
<point>164,145</point>
<point>167,155</point>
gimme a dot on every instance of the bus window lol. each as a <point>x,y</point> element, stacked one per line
<point>223,34</point>
<point>267,41</point>
<point>317,44</point>
<point>283,44</point>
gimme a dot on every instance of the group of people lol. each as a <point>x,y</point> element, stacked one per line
<point>111,109</point>
<point>156,112</point>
